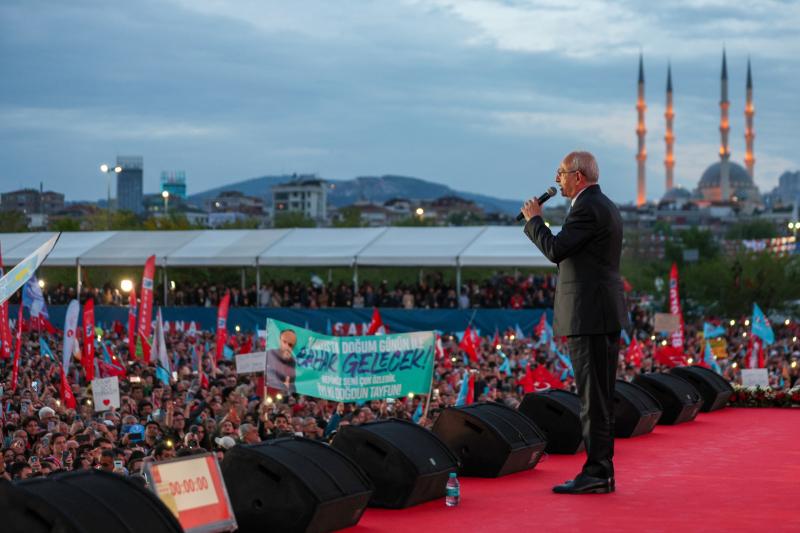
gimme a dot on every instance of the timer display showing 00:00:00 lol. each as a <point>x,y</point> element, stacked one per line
<point>188,485</point>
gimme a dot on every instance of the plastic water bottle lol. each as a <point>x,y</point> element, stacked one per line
<point>453,493</point>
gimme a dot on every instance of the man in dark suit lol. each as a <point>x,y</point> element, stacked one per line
<point>589,307</point>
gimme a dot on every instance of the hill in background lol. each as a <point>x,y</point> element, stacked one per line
<point>370,188</point>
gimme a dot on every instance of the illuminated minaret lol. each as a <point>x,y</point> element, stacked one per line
<point>641,155</point>
<point>724,127</point>
<point>749,134</point>
<point>669,137</point>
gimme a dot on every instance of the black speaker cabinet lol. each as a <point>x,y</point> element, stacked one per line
<point>558,414</point>
<point>294,484</point>
<point>678,398</point>
<point>86,501</point>
<point>715,390</point>
<point>407,463</point>
<point>636,411</point>
<point>490,439</point>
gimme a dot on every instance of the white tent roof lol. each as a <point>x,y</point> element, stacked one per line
<point>320,247</point>
<point>134,247</point>
<point>503,246</point>
<point>401,246</point>
<point>10,241</point>
<point>472,246</point>
<point>234,247</point>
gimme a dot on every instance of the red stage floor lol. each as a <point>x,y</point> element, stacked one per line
<point>732,470</point>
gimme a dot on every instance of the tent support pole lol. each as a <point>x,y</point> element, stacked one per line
<point>458,280</point>
<point>78,284</point>
<point>355,278</point>
<point>258,285</point>
<point>166,287</point>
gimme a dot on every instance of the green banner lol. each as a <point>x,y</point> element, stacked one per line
<point>348,369</point>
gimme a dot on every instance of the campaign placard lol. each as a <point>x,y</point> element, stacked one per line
<point>248,363</point>
<point>755,377</point>
<point>193,489</point>
<point>348,369</point>
<point>105,393</point>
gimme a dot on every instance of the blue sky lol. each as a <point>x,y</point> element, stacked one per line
<point>484,96</point>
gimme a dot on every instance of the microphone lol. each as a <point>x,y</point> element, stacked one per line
<point>549,193</point>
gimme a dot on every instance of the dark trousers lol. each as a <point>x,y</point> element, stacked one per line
<point>594,359</point>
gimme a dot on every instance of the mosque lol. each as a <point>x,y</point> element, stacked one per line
<point>724,182</point>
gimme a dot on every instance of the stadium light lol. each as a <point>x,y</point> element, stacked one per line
<point>279,396</point>
<point>410,395</point>
<point>794,339</point>
<point>690,360</point>
<point>664,342</point>
<point>747,322</point>
<point>794,364</point>
<point>786,322</point>
<point>41,283</point>
<point>733,323</point>
<point>735,364</point>
<point>420,212</point>
<point>126,285</point>
<point>791,225</point>
<point>237,328</point>
<point>744,334</point>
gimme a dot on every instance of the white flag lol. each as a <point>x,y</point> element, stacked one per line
<point>70,330</point>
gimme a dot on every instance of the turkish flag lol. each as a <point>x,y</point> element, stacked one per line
<point>542,379</point>
<point>66,392</point>
<point>468,345</point>
<point>670,356</point>
<point>376,325</point>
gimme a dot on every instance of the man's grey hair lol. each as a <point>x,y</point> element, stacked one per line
<point>245,428</point>
<point>586,163</point>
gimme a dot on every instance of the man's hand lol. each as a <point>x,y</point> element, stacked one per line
<point>531,208</point>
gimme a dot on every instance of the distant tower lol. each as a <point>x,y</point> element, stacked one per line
<point>641,155</point>
<point>724,128</point>
<point>749,134</point>
<point>669,137</point>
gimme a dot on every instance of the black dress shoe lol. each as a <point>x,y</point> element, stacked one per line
<point>584,484</point>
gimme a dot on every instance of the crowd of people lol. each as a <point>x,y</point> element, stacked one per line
<point>41,435</point>
<point>498,291</point>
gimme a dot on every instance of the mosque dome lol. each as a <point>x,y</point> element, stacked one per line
<point>677,194</point>
<point>741,184</point>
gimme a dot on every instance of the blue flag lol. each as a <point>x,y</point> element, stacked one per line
<point>417,414</point>
<point>625,337</point>
<point>565,360</point>
<point>710,360</point>
<point>518,331</point>
<point>506,366</point>
<point>711,332</point>
<point>44,348</point>
<point>462,392</point>
<point>227,353</point>
<point>162,374</point>
<point>328,328</point>
<point>760,325</point>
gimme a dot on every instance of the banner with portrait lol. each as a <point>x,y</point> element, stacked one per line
<point>348,369</point>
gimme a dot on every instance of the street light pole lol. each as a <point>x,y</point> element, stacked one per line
<point>107,170</point>
<point>165,196</point>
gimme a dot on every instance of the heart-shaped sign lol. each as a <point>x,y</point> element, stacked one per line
<point>106,401</point>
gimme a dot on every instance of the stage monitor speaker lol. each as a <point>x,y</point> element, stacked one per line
<point>407,463</point>
<point>558,414</point>
<point>87,501</point>
<point>715,390</point>
<point>678,398</point>
<point>636,411</point>
<point>294,484</point>
<point>490,439</point>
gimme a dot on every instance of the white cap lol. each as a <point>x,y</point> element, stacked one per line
<point>226,442</point>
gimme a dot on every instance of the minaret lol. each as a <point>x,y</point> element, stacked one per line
<point>641,155</point>
<point>724,128</point>
<point>669,137</point>
<point>749,134</point>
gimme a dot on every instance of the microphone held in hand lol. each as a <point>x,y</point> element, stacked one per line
<point>549,193</point>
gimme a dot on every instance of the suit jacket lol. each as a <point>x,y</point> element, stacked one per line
<point>589,295</point>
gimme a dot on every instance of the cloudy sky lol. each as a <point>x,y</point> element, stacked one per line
<point>485,96</point>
